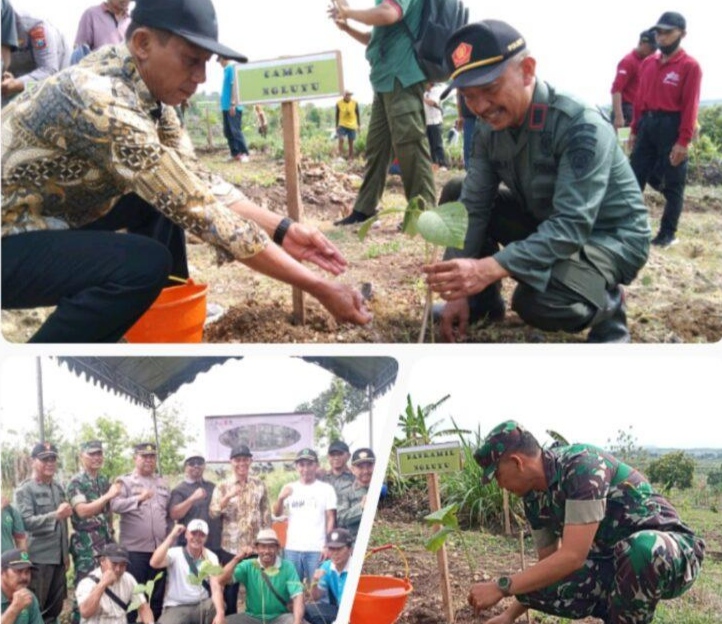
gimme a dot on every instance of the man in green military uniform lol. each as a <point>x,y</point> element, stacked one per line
<point>397,126</point>
<point>352,498</point>
<point>609,546</point>
<point>44,509</point>
<point>572,224</point>
<point>19,604</point>
<point>89,494</point>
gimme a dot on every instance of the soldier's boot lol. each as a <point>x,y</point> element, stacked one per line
<point>610,323</point>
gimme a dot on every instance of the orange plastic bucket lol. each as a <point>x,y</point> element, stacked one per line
<point>281,529</point>
<point>177,315</point>
<point>380,599</point>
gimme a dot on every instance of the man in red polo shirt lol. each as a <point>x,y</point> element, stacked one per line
<point>665,115</point>
<point>626,80</point>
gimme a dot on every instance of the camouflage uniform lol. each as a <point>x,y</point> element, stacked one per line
<point>350,508</point>
<point>339,482</point>
<point>91,534</point>
<point>642,552</point>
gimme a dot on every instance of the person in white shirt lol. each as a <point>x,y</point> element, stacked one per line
<point>311,511</point>
<point>189,600</point>
<point>105,594</point>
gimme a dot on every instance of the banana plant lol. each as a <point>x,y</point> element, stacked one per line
<point>439,226</point>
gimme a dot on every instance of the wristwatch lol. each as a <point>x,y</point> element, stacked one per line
<point>504,584</point>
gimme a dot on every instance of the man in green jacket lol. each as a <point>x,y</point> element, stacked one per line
<point>19,604</point>
<point>572,224</point>
<point>397,126</point>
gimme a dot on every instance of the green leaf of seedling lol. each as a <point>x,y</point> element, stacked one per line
<point>366,225</point>
<point>437,540</point>
<point>194,580</point>
<point>446,516</point>
<point>444,225</point>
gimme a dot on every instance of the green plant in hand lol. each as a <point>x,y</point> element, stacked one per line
<point>439,226</point>
<point>143,589</point>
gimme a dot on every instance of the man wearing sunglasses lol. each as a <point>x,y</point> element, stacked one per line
<point>665,117</point>
<point>44,508</point>
<point>89,494</point>
<point>191,499</point>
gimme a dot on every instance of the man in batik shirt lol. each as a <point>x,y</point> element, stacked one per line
<point>609,546</point>
<point>98,148</point>
<point>242,503</point>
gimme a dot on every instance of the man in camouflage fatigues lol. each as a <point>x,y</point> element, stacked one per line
<point>609,545</point>
<point>352,498</point>
<point>89,494</point>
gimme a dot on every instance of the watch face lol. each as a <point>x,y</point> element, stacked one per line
<point>504,583</point>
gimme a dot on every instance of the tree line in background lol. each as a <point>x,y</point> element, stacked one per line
<point>334,408</point>
<point>482,505</point>
<point>317,123</point>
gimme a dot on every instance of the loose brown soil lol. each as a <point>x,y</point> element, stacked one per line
<point>676,298</point>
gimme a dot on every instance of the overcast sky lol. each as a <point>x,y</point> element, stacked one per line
<point>577,44</point>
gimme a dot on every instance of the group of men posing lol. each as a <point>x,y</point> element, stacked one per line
<point>553,202</point>
<point>228,524</point>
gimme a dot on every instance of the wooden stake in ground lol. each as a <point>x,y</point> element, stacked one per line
<point>432,482</point>
<point>292,158</point>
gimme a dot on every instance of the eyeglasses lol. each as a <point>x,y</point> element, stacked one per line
<point>49,460</point>
<point>195,462</point>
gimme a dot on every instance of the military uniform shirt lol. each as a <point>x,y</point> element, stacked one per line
<point>586,484</point>
<point>339,482</point>
<point>47,536</point>
<point>350,509</point>
<point>143,526</point>
<point>565,168</point>
<point>42,50</point>
<point>12,527</point>
<point>83,488</point>
<point>29,615</point>
<point>92,134</point>
<point>390,50</point>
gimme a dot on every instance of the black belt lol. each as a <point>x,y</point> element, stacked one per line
<point>661,114</point>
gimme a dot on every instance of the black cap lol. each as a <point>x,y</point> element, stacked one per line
<point>91,446</point>
<point>241,451</point>
<point>670,20</point>
<point>16,559</point>
<point>194,20</point>
<point>145,448</point>
<point>307,453</point>
<point>115,552</point>
<point>648,37</point>
<point>339,538</point>
<point>338,445</point>
<point>363,455</point>
<point>478,53</point>
<point>44,449</point>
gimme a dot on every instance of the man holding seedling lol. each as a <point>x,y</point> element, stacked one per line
<point>98,148</point>
<point>569,214</point>
<point>609,546</point>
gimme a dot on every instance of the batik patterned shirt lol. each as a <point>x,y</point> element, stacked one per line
<point>244,515</point>
<point>93,133</point>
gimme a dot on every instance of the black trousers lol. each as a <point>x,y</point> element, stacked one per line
<point>436,144</point>
<point>657,134</point>
<point>141,570</point>
<point>230,591</point>
<point>49,585</point>
<point>578,286</point>
<point>100,281</point>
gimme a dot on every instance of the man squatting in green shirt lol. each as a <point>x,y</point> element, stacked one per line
<point>569,216</point>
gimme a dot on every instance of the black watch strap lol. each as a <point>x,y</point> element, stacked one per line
<point>281,230</point>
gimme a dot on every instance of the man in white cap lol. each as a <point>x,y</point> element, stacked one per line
<point>105,594</point>
<point>193,595</point>
<point>274,593</point>
<point>99,148</point>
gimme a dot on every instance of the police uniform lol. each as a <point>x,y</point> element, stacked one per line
<point>641,552</point>
<point>42,51</point>
<point>569,214</point>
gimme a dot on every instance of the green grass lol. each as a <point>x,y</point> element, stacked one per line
<point>375,250</point>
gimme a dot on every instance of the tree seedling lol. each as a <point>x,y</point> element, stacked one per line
<point>439,226</point>
<point>448,523</point>
<point>143,588</point>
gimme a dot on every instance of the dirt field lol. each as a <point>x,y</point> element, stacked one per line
<point>676,299</point>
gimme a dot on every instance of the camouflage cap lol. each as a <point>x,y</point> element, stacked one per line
<point>498,441</point>
<point>91,446</point>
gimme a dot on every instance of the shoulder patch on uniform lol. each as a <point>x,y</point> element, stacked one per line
<point>582,140</point>
<point>582,127</point>
<point>581,160</point>
<point>37,37</point>
<point>538,116</point>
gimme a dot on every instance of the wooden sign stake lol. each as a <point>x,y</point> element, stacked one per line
<point>432,482</point>
<point>292,158</point>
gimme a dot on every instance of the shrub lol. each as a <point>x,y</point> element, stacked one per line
<point>672,470</point>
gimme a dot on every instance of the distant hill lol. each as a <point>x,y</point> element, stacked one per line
<point>698,453</point>
<point>704,103</point>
